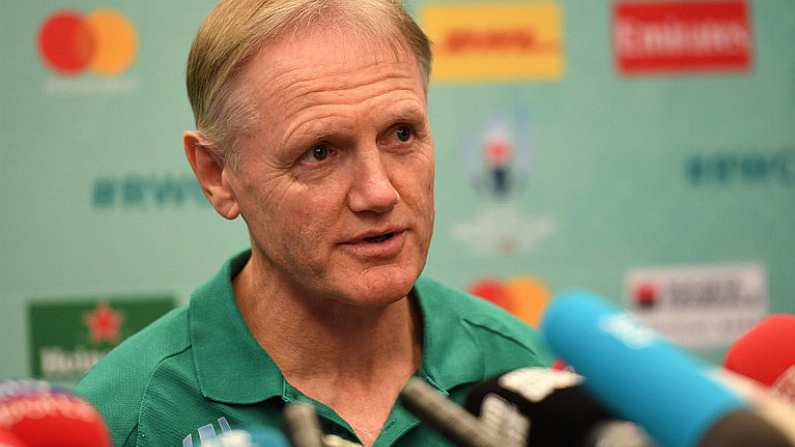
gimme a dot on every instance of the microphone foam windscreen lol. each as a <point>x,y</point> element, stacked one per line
<point>9,440</point>
<point>766,351</point>
<point>41,415</point>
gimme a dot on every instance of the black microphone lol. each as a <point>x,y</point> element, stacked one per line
<point>542,407</point>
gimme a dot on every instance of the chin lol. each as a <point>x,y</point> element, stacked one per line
<point>381,286</point>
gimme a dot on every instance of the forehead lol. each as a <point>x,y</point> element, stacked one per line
<point>329,58</point>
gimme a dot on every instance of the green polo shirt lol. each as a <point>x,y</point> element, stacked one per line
<point>198,371</point>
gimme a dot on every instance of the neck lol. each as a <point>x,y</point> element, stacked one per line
<point>325,340</point>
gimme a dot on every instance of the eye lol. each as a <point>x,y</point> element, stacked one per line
<point>403,133</point>
<point>318,153</point>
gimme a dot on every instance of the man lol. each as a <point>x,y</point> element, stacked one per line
<point>313,126</point>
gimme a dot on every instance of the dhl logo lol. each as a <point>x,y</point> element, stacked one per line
<point>487,42</point>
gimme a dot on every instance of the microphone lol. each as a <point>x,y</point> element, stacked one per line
<point>41,415</point>
<point>643,378</point>
<point>766,354</point>
<point>9,440</point>
<point>254,437</point>
<point>545,408</point>
<point>303,428</point>
<point>778,412</point>
<point>449,419</point>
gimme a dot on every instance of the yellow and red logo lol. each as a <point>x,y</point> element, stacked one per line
<point>102,41</point>
<point>487,42</point>
<point>524,296</point>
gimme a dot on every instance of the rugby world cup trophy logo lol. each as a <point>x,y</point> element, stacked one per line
<point>499,165</point>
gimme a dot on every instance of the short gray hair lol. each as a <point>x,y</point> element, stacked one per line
<point>236,29</point>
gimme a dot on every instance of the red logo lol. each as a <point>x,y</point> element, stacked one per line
<point>645,295</point>
<point>682,36</point>
<point>104,323</point>
<point>524,296</point>
<point>103,41</point>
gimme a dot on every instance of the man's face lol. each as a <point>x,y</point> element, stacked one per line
<point>336,181</point>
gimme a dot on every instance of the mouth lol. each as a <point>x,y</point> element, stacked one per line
<point>382,244</point>
<point>379,238</point>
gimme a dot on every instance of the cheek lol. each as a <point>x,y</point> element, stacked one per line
<point>307,216</point>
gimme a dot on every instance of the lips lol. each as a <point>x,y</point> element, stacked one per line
<point>375,236</point>
<point>377,244</point>
<point>380,238</point>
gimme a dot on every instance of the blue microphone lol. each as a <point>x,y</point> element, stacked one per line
<point>642,377</point>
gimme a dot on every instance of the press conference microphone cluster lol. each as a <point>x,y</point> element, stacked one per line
<point>766,354</point>
<point>544,408</point>
<point>303,428</point>
<point>37,414</point>
<point>452,421</point>
<point>641,377</point>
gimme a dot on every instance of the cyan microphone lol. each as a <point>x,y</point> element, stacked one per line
<point>541,407</point>
<point>37,414</point>
<point>641,377</point>
<point>445,416</point>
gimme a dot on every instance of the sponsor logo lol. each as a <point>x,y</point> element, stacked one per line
<point>702,306</point>
<point>207,432</point>
<point>102,42</point>
<point>479,42</point>
<point>140,191</point>
<point>103,323</point>
<point>498,164</point>
<point>681,36</point>
<point>68,338</point>
<point>751,168</point>
<point>504,230</point>
<point>525,296</point>
<point>627,330</point>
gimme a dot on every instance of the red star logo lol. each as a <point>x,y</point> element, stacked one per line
<point>104,323</point>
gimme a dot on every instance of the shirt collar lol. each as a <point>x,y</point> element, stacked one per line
<point>230,364</point>
<point>232,367</point>
<point>451,356</point>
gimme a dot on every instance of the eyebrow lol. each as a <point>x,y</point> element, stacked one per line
<point>408,112</point>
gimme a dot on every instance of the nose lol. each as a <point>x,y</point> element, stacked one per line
<point>372,190</point>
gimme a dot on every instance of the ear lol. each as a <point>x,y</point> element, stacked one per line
<point>212,175</point>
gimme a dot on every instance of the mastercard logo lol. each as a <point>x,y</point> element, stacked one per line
<point>102,41</point>
<point>525,297</point>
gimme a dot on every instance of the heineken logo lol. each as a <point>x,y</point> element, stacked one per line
<point>69,336</point>
<point>104,323</point>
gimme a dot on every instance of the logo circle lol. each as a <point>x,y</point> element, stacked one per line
<point>103,41</point>
<point>524,296</point>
